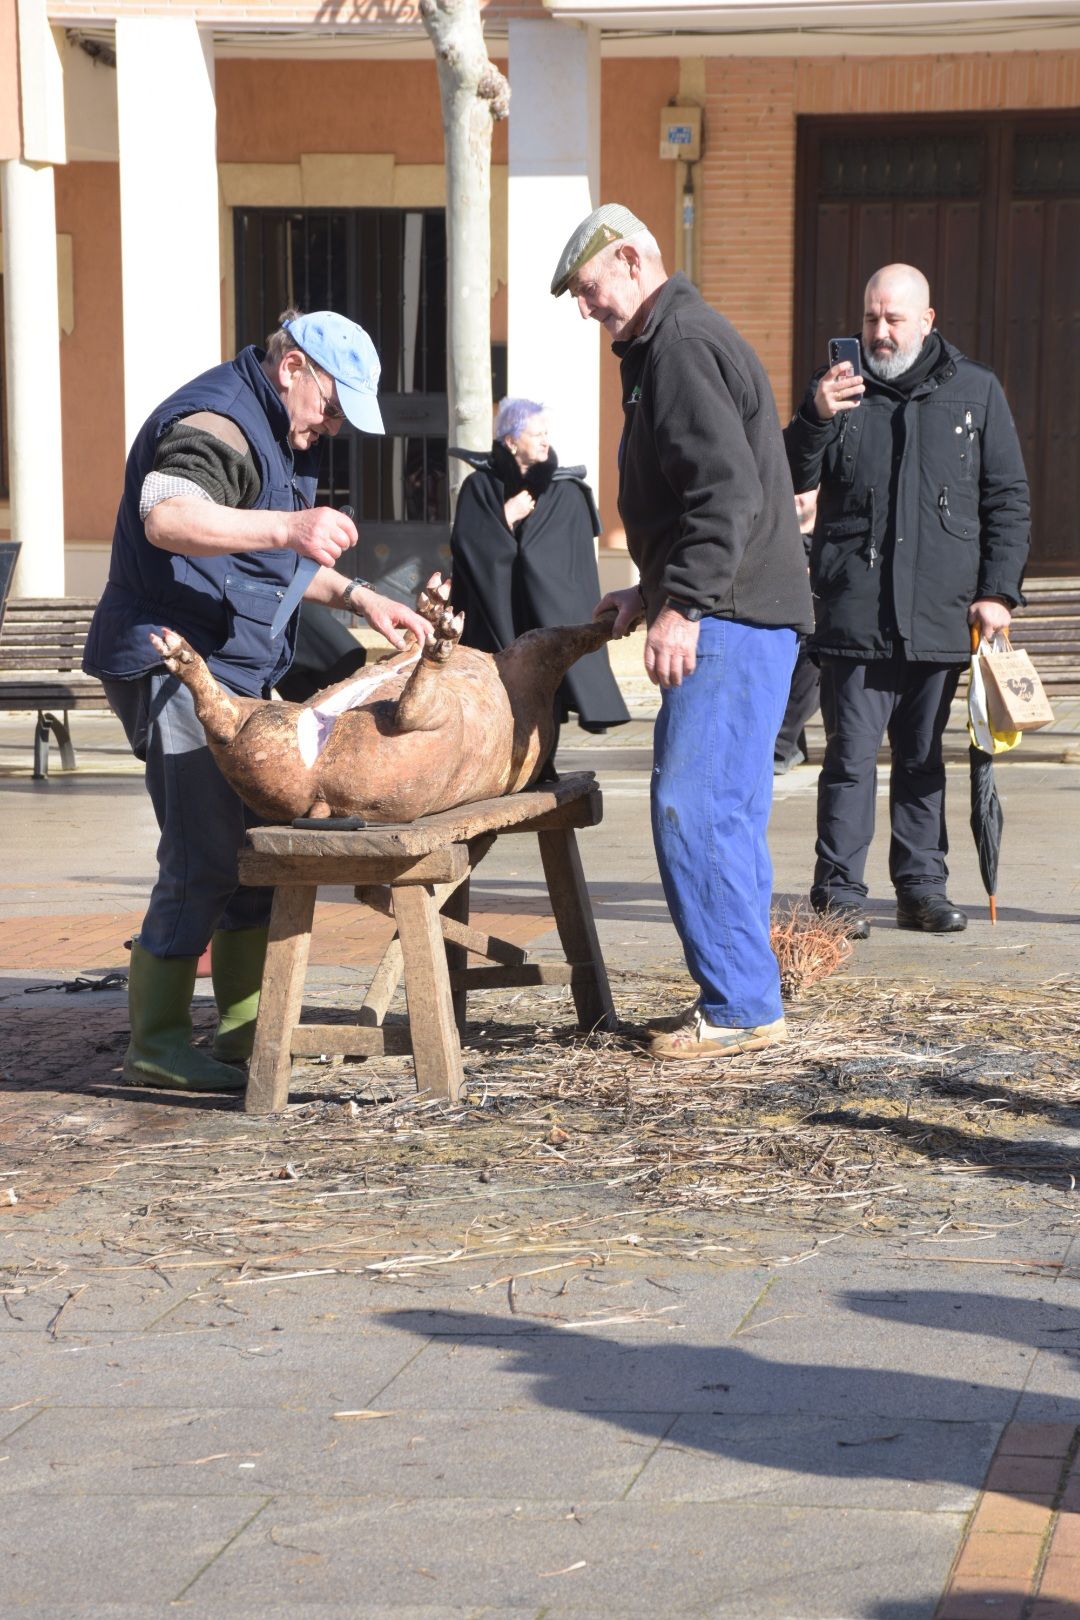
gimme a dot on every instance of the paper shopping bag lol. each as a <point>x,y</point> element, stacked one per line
<point>981,732</point>
<point>1014,693</point>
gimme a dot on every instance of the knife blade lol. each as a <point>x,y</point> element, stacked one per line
<point>306,570</point>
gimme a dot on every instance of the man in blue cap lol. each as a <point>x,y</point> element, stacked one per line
<point>216,514</point>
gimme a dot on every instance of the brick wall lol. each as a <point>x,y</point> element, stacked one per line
<point>748,171</point>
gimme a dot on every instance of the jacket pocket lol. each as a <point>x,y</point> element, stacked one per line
<point>964,524</point>
<point>843,541</point>
<point>253,599</point>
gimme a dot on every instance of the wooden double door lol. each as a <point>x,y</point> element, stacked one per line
<point>988,207</point>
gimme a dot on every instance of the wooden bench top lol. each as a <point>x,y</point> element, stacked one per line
<point>514,811</point>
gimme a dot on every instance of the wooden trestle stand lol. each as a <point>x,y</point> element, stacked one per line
<point>418,873</point>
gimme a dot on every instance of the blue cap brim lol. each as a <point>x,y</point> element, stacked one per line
<point>361,408</point>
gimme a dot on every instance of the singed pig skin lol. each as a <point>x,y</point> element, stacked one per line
<point>437,729</point>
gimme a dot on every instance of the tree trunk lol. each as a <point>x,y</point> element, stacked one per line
<point>474,93</point>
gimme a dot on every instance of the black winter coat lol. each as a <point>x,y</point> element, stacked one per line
<point>704,489</point>
<point>542,573</point>
<point>923,509</point>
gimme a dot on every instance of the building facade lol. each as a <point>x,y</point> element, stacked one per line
<point>172,177</point>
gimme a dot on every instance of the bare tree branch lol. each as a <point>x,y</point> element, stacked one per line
<point>473,94</point>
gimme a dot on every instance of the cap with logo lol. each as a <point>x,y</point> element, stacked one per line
<point>346,353</point>
<point>611,222</point>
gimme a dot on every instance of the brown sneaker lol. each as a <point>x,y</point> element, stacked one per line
<point>698,1041</point>
<point>667,1026</point>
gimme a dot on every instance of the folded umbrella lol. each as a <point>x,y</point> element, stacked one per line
<point>987,820</point>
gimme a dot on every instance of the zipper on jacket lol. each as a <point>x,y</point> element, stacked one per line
<point>873,547</point>
<point>943,500</point>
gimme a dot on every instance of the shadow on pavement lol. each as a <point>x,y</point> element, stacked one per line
<point>847,1422</point>
<point>991,1316</point>
<point>1036,1162</point>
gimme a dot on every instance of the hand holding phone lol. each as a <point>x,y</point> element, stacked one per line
<point>842,386</point>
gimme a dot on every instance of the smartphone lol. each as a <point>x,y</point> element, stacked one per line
<point>846,348</point>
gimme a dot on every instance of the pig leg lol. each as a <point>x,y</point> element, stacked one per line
<point>222,715</point>
<point>425,704</point>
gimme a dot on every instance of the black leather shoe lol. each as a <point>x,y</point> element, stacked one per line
<point>930,913</point>
<point>857,923</point>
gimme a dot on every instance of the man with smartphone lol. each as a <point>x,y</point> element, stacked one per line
<point>922,534</point>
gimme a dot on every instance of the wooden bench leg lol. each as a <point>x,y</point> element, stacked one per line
<point>456,906</point>
<point>432,1025</point>
<point>282,998</point>
<point>577,929</point>
<point>384,982</point>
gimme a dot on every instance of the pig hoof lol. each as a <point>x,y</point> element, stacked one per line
<point>173,650</point>
<point>433,602</point>
<point>448,628</point>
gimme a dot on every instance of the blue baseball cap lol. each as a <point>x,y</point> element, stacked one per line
<point>346,353</point>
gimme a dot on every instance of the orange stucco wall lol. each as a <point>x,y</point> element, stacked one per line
<point>270,112</point>
<point>10,135</point>
<point>92,355</point>
<point>634,92</point>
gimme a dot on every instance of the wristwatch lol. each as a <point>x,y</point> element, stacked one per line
<point>347,594</point>
<point>686,609</point>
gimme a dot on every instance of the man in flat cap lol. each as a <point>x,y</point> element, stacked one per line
<point>706,500</point>
<point>216,514</point>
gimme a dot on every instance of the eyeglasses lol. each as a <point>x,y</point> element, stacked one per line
<point>331,412</point>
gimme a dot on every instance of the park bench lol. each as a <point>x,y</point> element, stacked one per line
<point>418,872</point>
<point>1048,628</point>
<point>41,648</point>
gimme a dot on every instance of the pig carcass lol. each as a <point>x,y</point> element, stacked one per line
<point>422,730</point>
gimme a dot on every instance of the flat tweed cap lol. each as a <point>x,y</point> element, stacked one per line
<point>611,222</point>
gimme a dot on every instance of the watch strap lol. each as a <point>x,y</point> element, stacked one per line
<point>688,610</point>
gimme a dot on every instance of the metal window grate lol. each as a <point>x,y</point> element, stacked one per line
<point>386,269</point>
<point>903,166</point>
<point>1046,164</point>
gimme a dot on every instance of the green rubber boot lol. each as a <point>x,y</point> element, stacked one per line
<point>159,1005</point>
<point>236,965</point>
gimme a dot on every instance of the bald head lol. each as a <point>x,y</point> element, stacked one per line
<point>897,319</point>
<point>901,282</point>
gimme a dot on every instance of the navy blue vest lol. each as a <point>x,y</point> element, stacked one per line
<point>223,604</point>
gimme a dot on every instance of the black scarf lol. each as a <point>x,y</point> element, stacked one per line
<point>926,362</point>
<point>536,480</point>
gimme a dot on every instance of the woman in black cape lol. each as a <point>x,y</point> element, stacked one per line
<point>524,556</point>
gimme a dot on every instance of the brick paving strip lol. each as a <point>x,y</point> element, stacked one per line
<point>344,936</point>
<point>1020,1559</point>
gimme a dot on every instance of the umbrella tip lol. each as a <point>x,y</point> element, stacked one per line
<point>993,910</point>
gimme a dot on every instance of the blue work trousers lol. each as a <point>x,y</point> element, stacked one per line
<point>202,821</point>
<point>711,796</point>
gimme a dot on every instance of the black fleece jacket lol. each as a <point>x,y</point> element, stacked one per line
<point>923,509</point>
<point>705,494</point>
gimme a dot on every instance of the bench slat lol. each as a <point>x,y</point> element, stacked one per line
<point>41,649</point>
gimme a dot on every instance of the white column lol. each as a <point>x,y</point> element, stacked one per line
<point>554,183</point>
<point>171,276</point>
<point>32,342</point>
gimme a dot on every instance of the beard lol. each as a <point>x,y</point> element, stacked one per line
<point>891,361</point>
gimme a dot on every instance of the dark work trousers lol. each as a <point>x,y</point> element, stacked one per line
<point>860,703</point>
<point>203,823</point>
<point>801,704</point>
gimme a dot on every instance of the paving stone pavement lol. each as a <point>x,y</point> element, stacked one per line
<point>738,1413</point>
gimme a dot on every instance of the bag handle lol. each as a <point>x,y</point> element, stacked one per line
<point>979,642</point>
